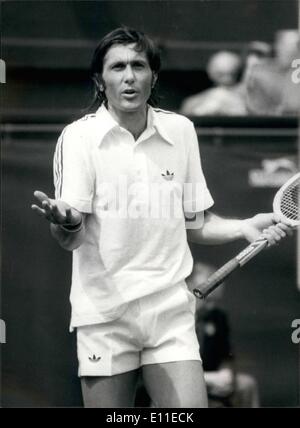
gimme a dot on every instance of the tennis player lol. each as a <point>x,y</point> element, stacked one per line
<point>130,193</point>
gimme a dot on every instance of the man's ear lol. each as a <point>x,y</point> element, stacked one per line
<point>154,79</point>
<point>99,82</point>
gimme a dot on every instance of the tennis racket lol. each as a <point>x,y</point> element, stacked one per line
<point>286,206</point>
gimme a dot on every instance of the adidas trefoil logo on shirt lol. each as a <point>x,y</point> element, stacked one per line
<point>94,359</point>
<point>168,176</point>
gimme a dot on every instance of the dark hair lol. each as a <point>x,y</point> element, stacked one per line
<point>122,36</point>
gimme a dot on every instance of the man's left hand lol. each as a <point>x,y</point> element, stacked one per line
<point>267,226</point>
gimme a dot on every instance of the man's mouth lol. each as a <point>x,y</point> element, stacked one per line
<point>129,92</point>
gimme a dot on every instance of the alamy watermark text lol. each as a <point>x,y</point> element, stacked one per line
<point>296,72</point>
<point>2,331</point>
<point>296,332</point>
<point>2,71</point>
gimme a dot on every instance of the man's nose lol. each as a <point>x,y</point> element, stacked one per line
<point>129,74</point>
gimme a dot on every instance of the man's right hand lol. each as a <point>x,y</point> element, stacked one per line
<point>55,211</point>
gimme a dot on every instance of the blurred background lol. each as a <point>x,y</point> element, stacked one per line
<point>247,153</point>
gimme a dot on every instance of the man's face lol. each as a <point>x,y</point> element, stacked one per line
<point>127,78</point>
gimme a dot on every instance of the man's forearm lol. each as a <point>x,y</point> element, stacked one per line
<point>217,230</point>
<point>69,240</point>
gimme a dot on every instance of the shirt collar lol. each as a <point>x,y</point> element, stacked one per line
<point>108,123</point>
<point>159,125</point>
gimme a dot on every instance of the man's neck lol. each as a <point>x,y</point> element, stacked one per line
<point>134,122</point>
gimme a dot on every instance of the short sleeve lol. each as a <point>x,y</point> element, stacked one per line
<point>196,196</point>
<point>73,170</point>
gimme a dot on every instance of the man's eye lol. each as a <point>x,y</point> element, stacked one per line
<point>118,66</point>
<point>139,65</point>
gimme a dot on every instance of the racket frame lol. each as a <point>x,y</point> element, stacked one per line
<point>277,201</point>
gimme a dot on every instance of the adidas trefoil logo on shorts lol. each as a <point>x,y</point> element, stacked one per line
<point>94,359</point>
<point>168,176</point>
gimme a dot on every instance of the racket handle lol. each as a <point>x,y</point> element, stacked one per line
<point>216,279</point>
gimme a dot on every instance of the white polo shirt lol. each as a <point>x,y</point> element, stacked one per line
<point>135,244</point>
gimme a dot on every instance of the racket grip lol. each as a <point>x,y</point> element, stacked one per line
<point>216,279</point>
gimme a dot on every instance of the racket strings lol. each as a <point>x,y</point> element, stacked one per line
<point>289,205</point>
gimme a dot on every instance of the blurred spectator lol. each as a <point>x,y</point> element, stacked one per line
<point>226,388</point>
<point>256,52</point>
<point>270,88</point>
<point>224,69</point>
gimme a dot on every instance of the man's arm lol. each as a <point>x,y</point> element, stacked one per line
<point>67,225</point>
<point>218,230</point>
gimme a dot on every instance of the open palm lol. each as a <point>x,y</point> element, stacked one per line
<point>55,211</point>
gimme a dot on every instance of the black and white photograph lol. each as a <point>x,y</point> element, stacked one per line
<point>150,183</point>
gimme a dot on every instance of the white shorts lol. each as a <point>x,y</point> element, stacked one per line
<point>155,329</point>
